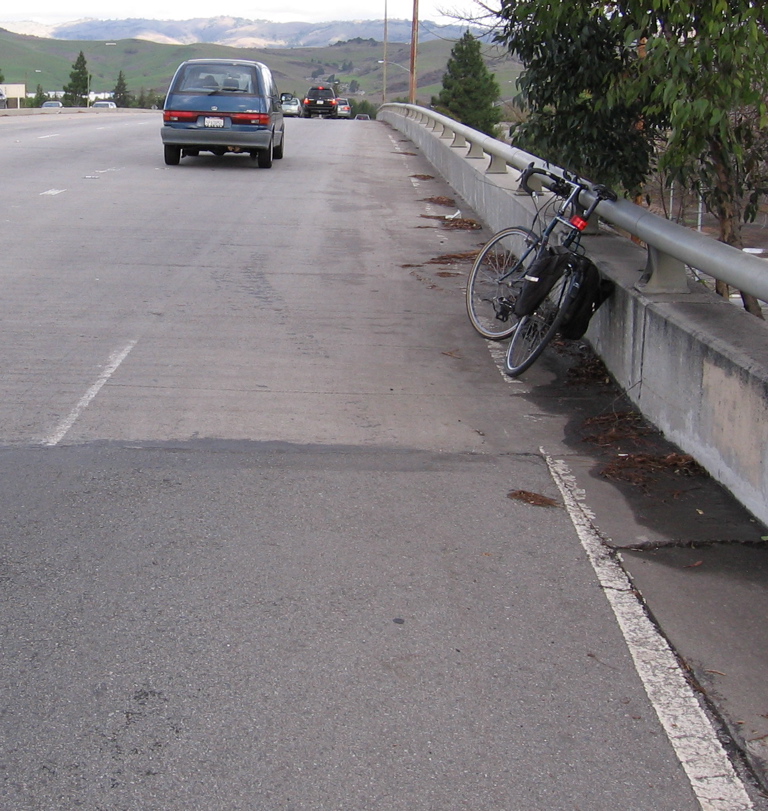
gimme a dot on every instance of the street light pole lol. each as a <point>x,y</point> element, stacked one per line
<point>414,48</point>
<point>384,63</point>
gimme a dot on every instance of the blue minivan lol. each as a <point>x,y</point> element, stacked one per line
<point>221,106</point>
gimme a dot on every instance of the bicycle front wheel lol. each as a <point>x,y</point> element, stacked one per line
<point>495,281</point>
<point>536,330</point>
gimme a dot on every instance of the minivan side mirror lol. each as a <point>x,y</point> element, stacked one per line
<point>286,96</point>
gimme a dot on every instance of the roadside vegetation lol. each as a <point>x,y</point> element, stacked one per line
<point>623,90</point>
<point>470,91</point>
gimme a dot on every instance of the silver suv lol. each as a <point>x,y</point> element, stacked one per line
<point>221,106</point>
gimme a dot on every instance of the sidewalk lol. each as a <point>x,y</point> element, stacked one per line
<point>698,558</point>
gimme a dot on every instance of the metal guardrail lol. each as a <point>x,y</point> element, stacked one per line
<point>670,246</point>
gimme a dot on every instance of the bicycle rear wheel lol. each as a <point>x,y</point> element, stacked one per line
<point>536,330</point>
<point>495,280</point>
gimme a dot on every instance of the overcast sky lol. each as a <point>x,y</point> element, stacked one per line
<point>51,11</point>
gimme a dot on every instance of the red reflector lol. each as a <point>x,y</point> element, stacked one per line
<point>579,222</point>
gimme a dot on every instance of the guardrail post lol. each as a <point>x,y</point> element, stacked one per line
<point>663,274</point>
<point>475,150</point>
<point>497,166</point>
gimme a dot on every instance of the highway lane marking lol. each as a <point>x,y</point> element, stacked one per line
<point>52,192</point>
<point>53,135</point>
<point>113,362</point>
<point>693,737</point>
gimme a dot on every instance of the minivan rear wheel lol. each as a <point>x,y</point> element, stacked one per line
<point>172,155</point>
<point>264,157</point>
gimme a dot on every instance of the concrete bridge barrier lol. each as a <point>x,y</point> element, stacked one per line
<point>692,363</point>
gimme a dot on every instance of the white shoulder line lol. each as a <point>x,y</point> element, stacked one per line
<point>714,780</point>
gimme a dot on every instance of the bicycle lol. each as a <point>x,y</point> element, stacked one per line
<point>502,270</point>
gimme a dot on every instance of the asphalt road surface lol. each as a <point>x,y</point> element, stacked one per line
<point>257,549</point>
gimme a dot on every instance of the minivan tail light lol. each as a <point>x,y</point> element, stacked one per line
<point>258,119</point>
<point>179,115</point>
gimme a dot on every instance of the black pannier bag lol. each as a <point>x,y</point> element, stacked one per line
<point>540,279</point>
<point>594,290</point>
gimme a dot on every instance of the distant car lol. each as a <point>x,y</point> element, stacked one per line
<point>343,108</point>
<point>320,101</point>
<point>221,106</point>
<point>291,106</point>
<point>110,105</point>
<point>52,104</point>
<point>362,117</point>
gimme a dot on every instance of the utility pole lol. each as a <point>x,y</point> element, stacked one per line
<point>414,48</point>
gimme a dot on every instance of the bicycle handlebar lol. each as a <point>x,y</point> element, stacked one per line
<point>562,186</point>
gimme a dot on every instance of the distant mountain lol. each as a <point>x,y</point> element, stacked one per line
<point>237,32</point>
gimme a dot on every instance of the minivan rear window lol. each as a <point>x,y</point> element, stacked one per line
<point>218,78</point>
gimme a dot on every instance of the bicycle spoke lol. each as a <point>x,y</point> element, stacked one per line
<point>495,280</point>
<point>535,331</point>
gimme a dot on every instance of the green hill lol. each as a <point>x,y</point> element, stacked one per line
<point>150,66</point>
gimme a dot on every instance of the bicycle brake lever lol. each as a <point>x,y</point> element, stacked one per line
<point>604,193</point>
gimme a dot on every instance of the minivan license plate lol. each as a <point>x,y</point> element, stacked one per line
<point>213,122</point>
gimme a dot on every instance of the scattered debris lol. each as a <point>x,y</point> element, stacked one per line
<point>617,426</point>
<point>447,274</point>
<point>589,370</point>
<point>424,177</point>
<point>532,498</point>
<point>639,468</point>
<point>454,353</point>
<point>451,258</point>
<point>402,152</point>
<point>462,224</point>
<point>448,202</point>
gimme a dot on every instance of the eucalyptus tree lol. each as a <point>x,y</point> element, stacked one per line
<point>681,83</point>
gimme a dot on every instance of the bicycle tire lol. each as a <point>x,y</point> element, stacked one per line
<point>536,330</point>
<point>492,289</point>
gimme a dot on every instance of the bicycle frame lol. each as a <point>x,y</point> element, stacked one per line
<point>576,224</point>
